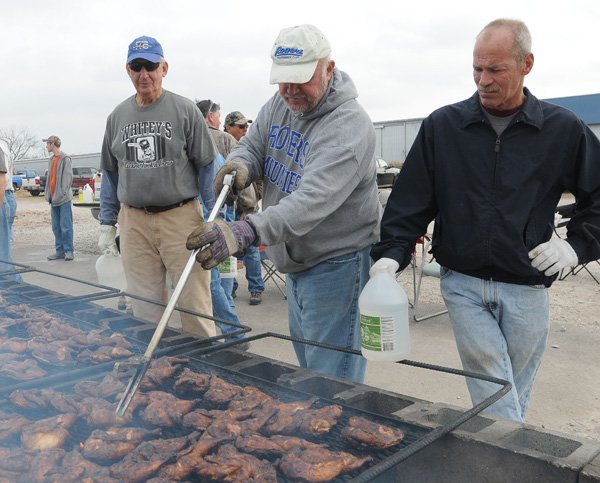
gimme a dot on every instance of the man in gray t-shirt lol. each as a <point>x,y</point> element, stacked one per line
<point>157,155</point>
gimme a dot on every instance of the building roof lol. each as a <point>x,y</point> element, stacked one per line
<point>587,107</point>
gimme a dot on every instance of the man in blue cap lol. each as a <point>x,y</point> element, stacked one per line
<point>157,156</point>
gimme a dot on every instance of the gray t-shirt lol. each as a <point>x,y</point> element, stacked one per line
<point>3,165</point>
<point>157,150</point>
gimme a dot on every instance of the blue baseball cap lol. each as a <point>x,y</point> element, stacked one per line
<point>146,48</point>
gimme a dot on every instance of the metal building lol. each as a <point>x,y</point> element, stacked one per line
<point>394,138</point>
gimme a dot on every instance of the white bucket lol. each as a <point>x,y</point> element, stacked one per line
<point>109,270</point>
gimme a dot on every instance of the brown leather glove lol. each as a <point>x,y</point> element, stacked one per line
<point>241,180</point>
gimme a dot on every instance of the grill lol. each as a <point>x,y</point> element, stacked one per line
<point>222,359</point>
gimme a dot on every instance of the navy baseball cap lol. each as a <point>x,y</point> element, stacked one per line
<point>144,47</point>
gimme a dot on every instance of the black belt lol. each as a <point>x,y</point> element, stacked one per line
<point>160,209</point>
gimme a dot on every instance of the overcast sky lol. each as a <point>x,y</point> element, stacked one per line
<point>64,60</point>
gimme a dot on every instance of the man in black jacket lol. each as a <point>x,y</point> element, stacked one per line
<point>490,171</point>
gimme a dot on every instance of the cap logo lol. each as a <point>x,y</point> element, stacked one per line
<point>288,53</point>
<point>141,45</point>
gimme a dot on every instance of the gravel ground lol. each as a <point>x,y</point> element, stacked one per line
<point>566,397</point>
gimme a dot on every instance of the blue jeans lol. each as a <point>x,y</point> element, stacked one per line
<point>501,330</point>
<point>323,307</point>
<point>62,227</point>
<point>12,205</point>
<point>221,306</point>
<point>228,284</point>
<point>253,270</point>
<point>4,236</point>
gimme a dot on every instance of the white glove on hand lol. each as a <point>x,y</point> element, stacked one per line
<point>388,264</point>
<point>551,257</point>
<point>106,240</point>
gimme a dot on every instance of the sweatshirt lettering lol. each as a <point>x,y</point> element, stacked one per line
<point>145,128</point>
<point>278,174</point>
<point>291,143</point>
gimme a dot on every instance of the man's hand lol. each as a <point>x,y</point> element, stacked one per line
<point>106,240</point>
<point>220,241</point>
<point>551,257</point>
<point>389,264</point>
<point>242,179</point>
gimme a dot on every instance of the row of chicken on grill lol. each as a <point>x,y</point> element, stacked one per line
<point>235,433</point>
<point>51,342</point>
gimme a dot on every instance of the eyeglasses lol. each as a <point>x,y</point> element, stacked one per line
<point>211,104</point>
<point>242,126</point>
<point>138,65</point>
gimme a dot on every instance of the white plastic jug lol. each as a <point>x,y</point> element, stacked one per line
<point>383,307</point>
<point>109,270</point>
<point>228,267</point>
<point>88,194</point>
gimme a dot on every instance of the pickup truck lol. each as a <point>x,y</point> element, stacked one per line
<point>81,177</point>
<point>17,182</point>
<point>30,181</point>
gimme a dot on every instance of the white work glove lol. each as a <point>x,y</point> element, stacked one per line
<point>389,264</point>
<point>551,257</point>
<point>106,240</point>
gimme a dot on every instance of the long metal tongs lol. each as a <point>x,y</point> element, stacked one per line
<point>142,362</point>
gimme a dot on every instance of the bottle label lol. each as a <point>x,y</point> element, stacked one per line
<point>228,267</point>
<point>377,333</point>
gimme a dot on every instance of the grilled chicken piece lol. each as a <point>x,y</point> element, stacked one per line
<point>362,433</point>
<point>285,414</point>
<point>147,458</point>
<point>315,422</point>
<point>52,330</point>
<point>103,354</point>
<point>319,464</point>
<point>231,465</point>
<point>97,339</point>
<point>188,459</point>
<point>22,370</point>
<point>42,464</point>
<point>199,419</point>
<point>47,433</point>
<point>99,413</point>
<point>191,381</point>
<point>226,426</point>
<point>55,353</point>
<point>249,398</point>
<point>160,371</point>
<point>115,442</point>
<point>165,410</point>
<point>15,459</point>
<point>108,387</point>
<point>44,398</point>
<point>273,446</point>
<point>10,424</point>
<point>14,344</point>
<point>220,392</point>
<point>74,468</point>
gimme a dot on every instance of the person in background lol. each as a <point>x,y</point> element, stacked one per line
<point>58,193</point>
<point>237,125</point>
<point>312,144</point>
<point>155,152</point>
<point>4,215</point>
<point>490,171</point>
<point>10,196</point>
<point>220,288</point>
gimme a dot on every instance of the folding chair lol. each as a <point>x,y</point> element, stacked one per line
<point>566,212</point>
<point>271,272</point>
<point>427,269</point>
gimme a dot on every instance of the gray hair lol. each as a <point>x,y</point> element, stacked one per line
<point>521,36</point>
<point>207,106</point>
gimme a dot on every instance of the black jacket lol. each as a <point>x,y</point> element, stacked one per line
<point>493,198</point>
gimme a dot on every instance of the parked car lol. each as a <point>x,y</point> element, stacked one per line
<point>17,182</point>
<point>81,177</point>
<point>30,181</point>
<point>386,173</point>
